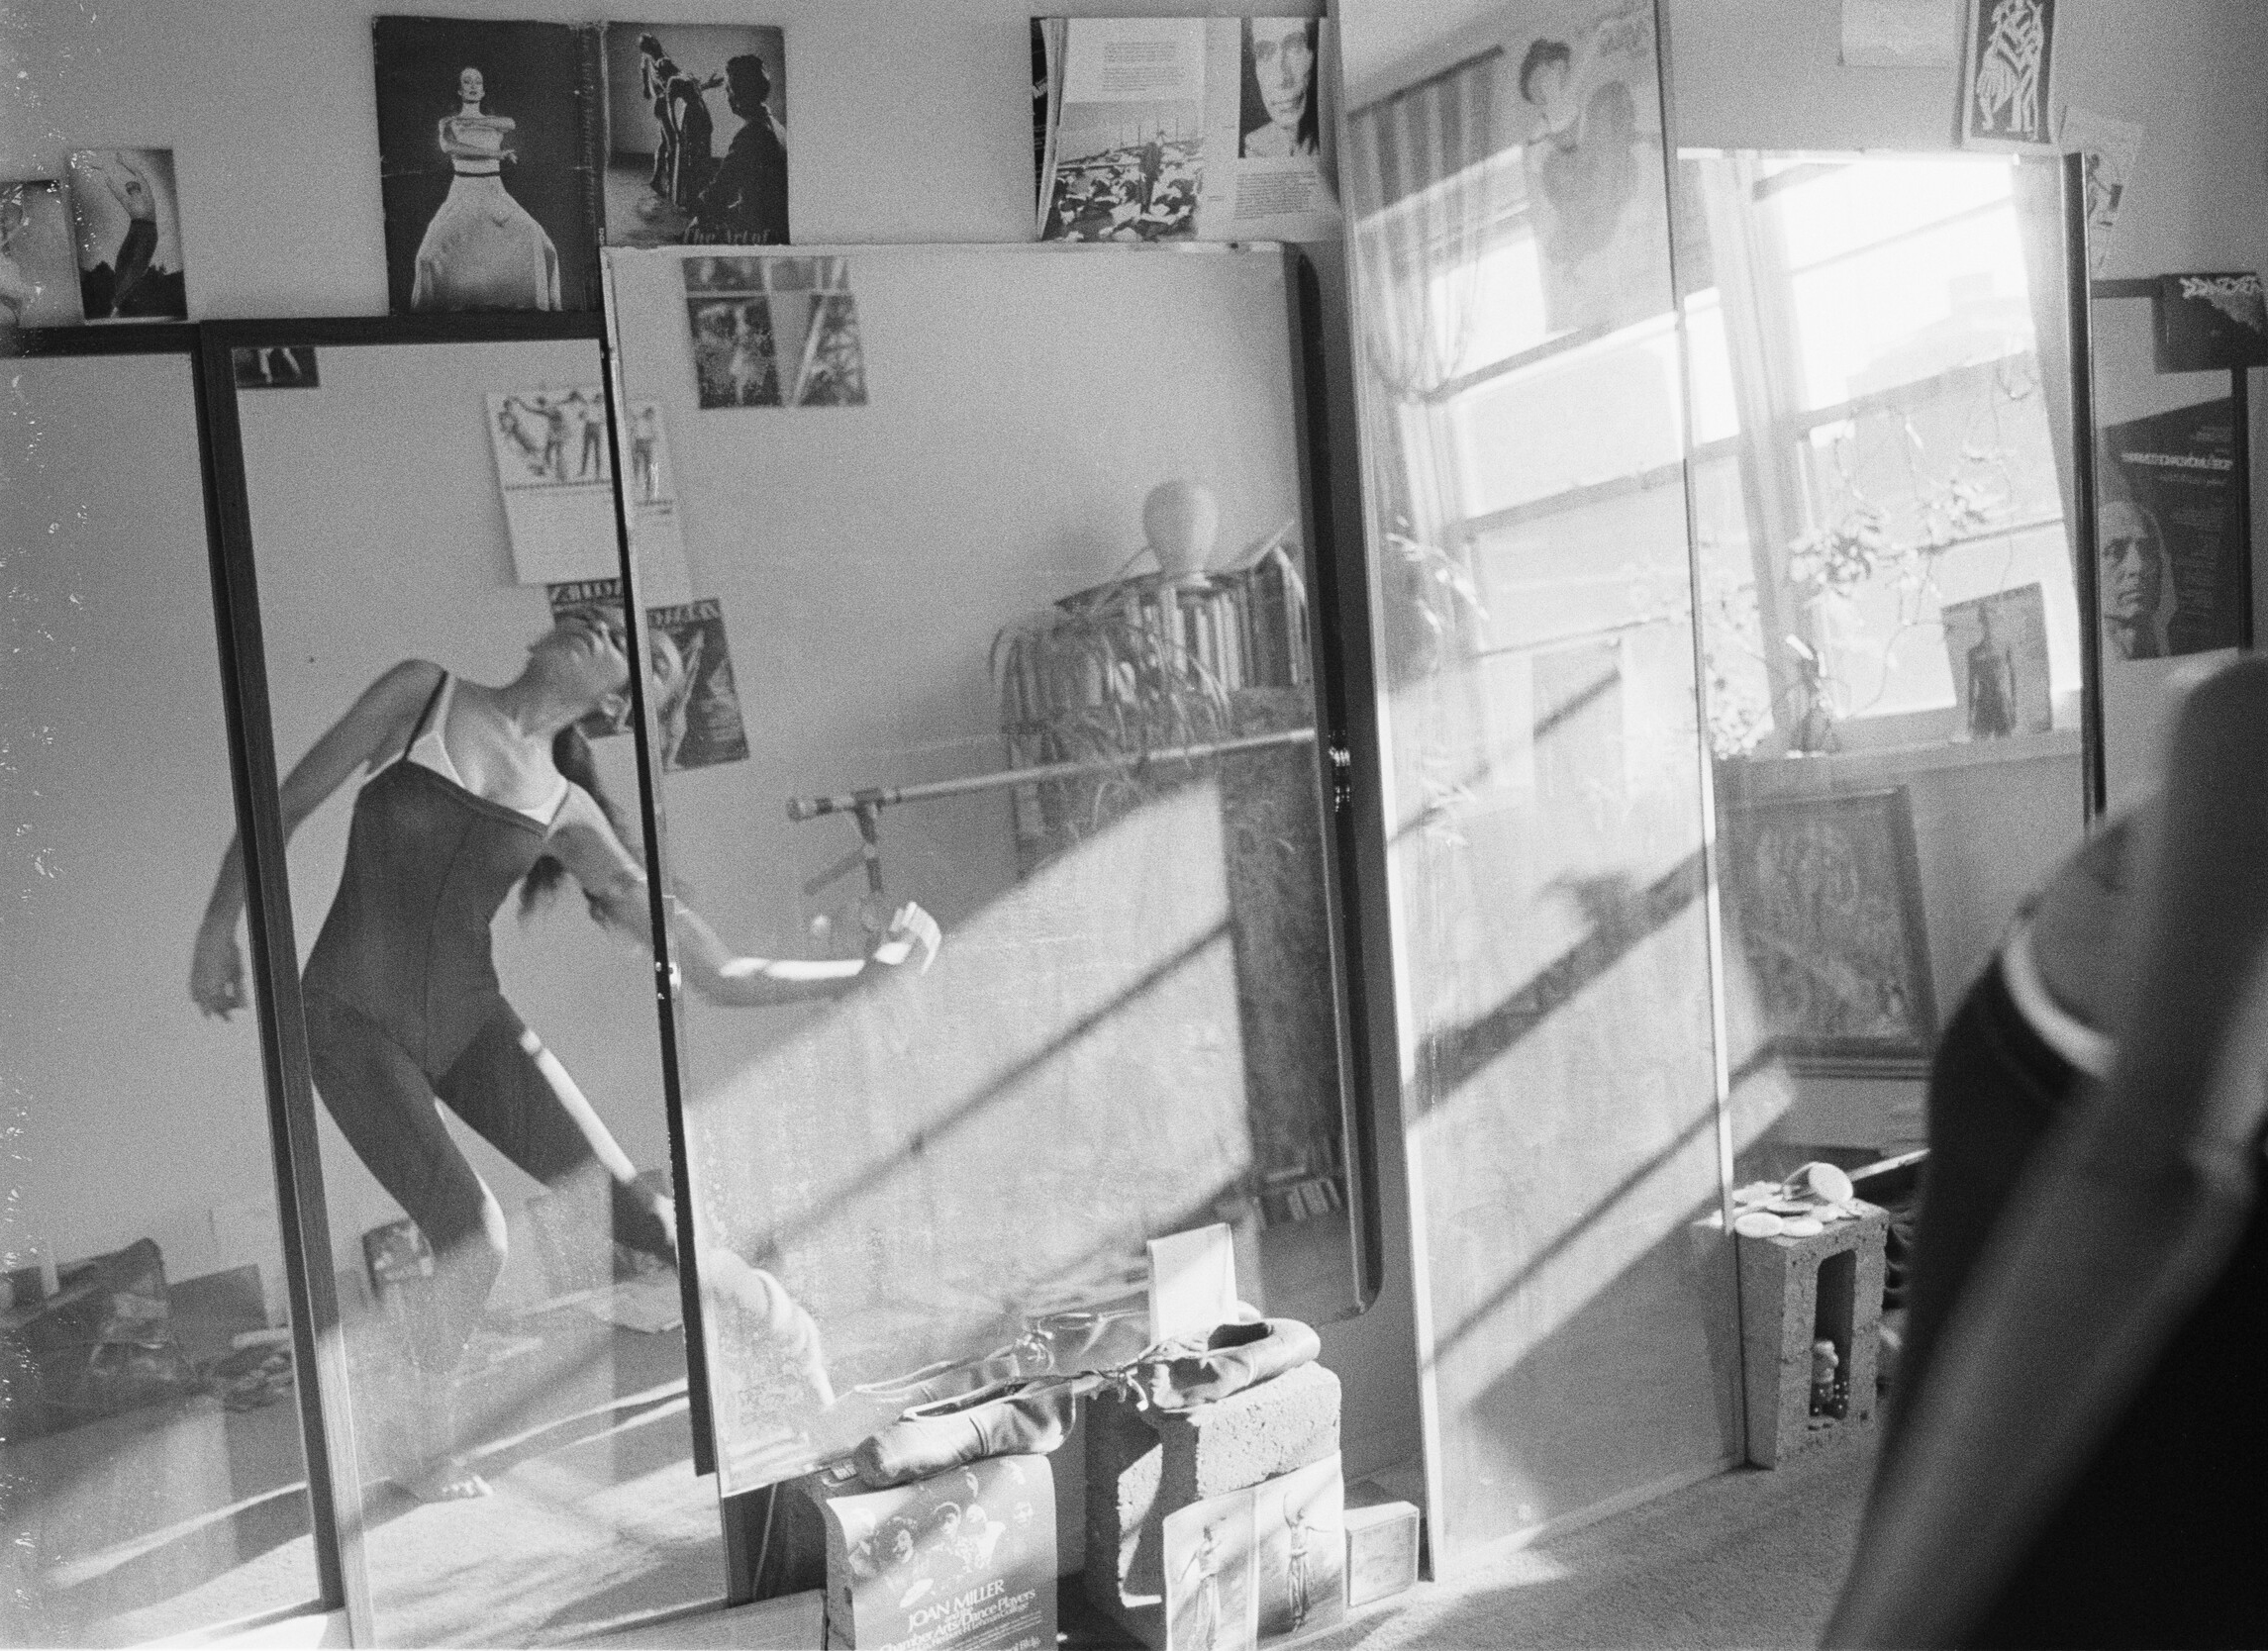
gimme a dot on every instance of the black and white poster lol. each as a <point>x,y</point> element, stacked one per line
<point>1996,646</point>
<point>38,277</point>
<point>774,331</point>
<point>128,214</point>
<point>2007,75</point>
<point>2170,550</point>
<point>1592,97</point>
<point>483,142</point>
<point>696,134</point>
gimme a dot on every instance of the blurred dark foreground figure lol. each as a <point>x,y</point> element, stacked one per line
<point>2077,1450</point>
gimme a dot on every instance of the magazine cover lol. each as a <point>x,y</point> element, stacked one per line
<point>962,1560</point>
<point>1996,646</point>
<point>696,134</point>
<point>1165,129</point>
<point>774,331</point>
<point>704,727</point>
<point>127,220</point>
<point>2169,535</point>
<point>38,273</point>
<point>485,164</point>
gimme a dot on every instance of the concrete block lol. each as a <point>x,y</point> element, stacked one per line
<point>1797,1291</point>
<point>1144,1465</point>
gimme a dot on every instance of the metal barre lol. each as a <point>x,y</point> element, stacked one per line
<point>883,797</point>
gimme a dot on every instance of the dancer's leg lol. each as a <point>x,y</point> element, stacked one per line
<point>523,1101</point>
<point>384,1106</point>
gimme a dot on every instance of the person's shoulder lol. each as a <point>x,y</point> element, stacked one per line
<point>410,675</point>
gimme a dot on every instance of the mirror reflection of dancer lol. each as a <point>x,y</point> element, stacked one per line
<point>744,201</point>
<point>472,791</point>
<point>483,249</point>
<point>130,244</point>
<point>1279,118</point>
<point>2136,589</point>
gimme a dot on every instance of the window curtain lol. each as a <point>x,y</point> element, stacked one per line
<point>1422,199</point>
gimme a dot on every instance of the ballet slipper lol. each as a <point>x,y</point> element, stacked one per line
<point>1180,1375</point>
<point>1009,1418</point>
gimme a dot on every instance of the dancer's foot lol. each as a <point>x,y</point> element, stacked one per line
<point>450,1479</point>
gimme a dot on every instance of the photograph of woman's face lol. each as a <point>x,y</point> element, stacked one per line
<point>1284,64</point>
<point>471,86</point>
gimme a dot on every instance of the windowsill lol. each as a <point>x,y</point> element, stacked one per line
<point>1838,771</point>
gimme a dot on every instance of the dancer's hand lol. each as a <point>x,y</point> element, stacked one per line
<point>911,942</point>
<point>217,972</point>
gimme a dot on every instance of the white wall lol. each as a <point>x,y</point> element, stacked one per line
<point>907,123</point>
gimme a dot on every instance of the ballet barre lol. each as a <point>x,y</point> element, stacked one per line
<point>890,796</point>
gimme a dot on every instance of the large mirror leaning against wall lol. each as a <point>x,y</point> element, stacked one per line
<point>447,715</point>
<point>1883,474</point>
<point>152,1478</point>
<point>988,574</point>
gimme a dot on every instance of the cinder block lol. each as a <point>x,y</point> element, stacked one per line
<point>1144,1465</point>
<point>1793,1291</point>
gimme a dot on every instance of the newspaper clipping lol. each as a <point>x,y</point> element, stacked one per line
<point>1181,129</point>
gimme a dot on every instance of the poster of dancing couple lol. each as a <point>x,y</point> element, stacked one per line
<point>696,134</point>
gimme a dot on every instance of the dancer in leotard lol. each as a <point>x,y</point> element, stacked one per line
<point>474,790</point>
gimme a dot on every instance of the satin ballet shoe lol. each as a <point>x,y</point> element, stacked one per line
<point>1007,1418</point>
<point>1180,1375</point>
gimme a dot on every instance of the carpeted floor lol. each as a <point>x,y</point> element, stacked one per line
<point>1752,1558</point>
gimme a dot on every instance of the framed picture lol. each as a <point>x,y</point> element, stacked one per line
<point>1824,908</point>
<point>2006,75</point>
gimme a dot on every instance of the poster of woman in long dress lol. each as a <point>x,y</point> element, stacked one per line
<point>480,152</point>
